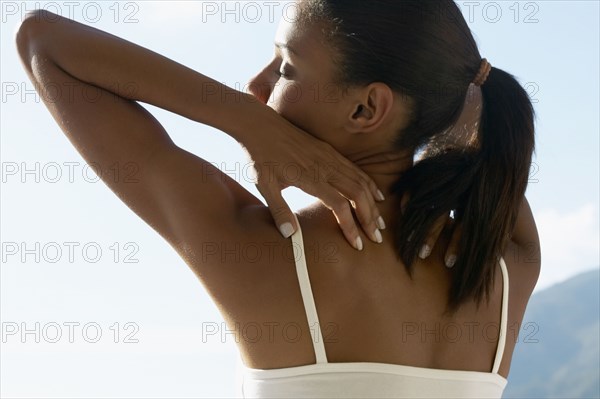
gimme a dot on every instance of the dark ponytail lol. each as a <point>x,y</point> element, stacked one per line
<point>485,188</point>
<point>425,50</point>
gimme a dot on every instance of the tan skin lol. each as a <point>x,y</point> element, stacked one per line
<point>362,297</point>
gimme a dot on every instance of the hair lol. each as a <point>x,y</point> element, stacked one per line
<point>425,50</point>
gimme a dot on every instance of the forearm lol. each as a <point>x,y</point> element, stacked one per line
<point>136,73</point>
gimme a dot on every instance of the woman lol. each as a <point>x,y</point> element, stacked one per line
<point>399,312</point>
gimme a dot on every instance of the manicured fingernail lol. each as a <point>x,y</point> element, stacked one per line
<point>451,260</point>
<point>286,229</point>
<point>378,236</point>
<point>380,223</point>
<point>425,251</point>
<point>359,244</point>
<point>380,196</point>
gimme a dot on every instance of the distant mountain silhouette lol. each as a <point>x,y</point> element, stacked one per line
<point>565,361</point>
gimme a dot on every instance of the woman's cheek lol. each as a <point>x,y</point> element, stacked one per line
<point>290,100</point>
<point>284,94</point>
<point>286,100</point>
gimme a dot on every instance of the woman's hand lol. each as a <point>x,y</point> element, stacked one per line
<point>434,234</point>
<point>445,221</point>
<point>285,155</point>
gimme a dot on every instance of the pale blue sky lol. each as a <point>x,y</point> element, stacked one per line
<point>555,58</point>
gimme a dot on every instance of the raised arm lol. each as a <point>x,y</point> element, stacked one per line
<point>91,81</point>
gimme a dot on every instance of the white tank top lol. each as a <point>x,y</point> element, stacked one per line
<point>369,379</point>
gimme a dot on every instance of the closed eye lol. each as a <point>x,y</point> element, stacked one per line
<point>284,72</point>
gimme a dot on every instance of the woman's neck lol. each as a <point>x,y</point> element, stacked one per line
<point>384,168</point>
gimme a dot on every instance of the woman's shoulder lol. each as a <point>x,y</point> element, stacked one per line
<point>523,254</point>
<point>523,265</point>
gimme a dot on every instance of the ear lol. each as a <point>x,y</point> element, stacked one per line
<point>371,108</point>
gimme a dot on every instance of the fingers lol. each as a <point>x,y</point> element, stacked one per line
<point>364,204</point>
<point>452,250</point>
<point>433,236</point>
<point>350,169</point>
<point>281,212</point>
<point>341,209</point>
<point>343,215</point>
<point>360,194</point>
<point>340,188</point>
<point>375,192</point>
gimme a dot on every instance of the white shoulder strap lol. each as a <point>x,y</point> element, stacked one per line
<point>503,319</point>
<point>307,295</point>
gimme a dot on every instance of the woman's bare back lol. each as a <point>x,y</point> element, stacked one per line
<point>369,309</point>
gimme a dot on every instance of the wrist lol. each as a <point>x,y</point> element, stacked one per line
<point>247,120</point>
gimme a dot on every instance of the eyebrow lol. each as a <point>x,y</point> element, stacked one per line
<point>287,47</point>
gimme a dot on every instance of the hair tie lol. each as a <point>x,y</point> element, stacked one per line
<point>484,71</point>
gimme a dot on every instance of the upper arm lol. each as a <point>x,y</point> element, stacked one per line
<point>166,186</point>
<point>525,243</point>
<point>198,202</point>
<point>525,231</point>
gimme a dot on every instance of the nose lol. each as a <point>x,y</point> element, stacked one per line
<point>261,86</point>
<point>258,90</point>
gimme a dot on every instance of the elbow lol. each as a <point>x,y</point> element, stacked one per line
<point>31,19</point>
<point>23,35</point>
<point>29,30</point>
